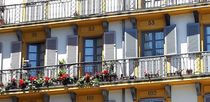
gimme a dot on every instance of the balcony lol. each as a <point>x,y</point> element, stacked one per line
<point>94,74</point>
<point>55,10</point>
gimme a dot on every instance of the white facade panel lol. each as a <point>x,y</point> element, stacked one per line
<point>61,34</point>
<point>5,100</point>
<point>60,98</point>
<point>6,40</point>
<point>181,22</point>
<point>183,93</point>
<point>116,95</point>
<point>117,27</point>
<point>128,96</point>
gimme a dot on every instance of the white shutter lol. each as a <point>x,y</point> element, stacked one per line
<point>193,37</point>
<point>170,39</point>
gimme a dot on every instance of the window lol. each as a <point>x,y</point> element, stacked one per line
<point>207,98</point>
<point>152,100</point>
<point>207,38</point>
<point>153,43</point>
<point>92,52</point>
<point>35,56</point>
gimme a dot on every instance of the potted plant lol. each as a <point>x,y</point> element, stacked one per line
<point>12,84</point>
<point>189,71</point>
<point>1,88</point>
<point>23,83</point>
<point>48,81</point>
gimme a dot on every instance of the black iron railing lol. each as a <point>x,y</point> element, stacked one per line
<point>57,9</point>
<point>99,72</point>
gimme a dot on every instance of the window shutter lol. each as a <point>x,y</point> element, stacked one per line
<point>72,49</point>
<point>193,37</point>
<point>131,43</point>
<point>1,55</point>
<point>16,48</point>
<point>207,98</point>
<point>109,45</point>
<point>170,39</point>
<point>51,51</point>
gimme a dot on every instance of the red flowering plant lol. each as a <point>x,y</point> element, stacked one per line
<point>1,88</point>
<point>23,83</point>
<point>87,81</point>
<point>64,78</point>
<point>12,84</point>
<point>48,81</point>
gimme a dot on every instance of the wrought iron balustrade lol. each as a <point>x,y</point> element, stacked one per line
<point>71,9</point>
<point>140,69</point>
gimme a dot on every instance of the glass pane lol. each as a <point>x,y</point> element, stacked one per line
<point>88,58</point>
<point>88,69</point>
<point>159,44</point>
<point>88,51</point>
<point>208,39</point>
<point>88,43</point>
<point>32,48</point>
<point>148,45</point>
<point>208,47</point>
<point>99,42</point>
<point>33,63</point>
<point>208,30</point>
<point>99,58</point>
<point>32,56</point>
<point>147,53</point>
<point>159,35</point>
<point>148,36</point>
<point>99,51</point>
<point>159,52</point>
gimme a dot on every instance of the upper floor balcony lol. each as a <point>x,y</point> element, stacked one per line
<point>54,10</point>
<point>87,74</point>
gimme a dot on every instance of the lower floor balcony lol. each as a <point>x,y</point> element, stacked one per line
<point>110,72</point>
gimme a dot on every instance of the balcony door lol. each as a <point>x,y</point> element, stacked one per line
<point>35,56</point>
<point>92,52</point>
<point>207,38</point>
<point>152,100</point>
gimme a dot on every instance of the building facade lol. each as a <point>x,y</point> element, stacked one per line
<point>105,50</point>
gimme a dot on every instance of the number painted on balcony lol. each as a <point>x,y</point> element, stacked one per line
<point>151,22</point>
<point>90,98</point>
<point>91,28</point>
<point>152,92</point>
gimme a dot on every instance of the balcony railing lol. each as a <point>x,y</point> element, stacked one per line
<point>108,72</point>
<point>69,9</point>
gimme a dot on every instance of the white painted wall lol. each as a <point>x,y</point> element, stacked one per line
<point>5,100</point>
<point>181,22</point>
<point>61,34</point>
<point>6,39</point>
<point>116,95</point>
<point>183,93</point>
<point>128,96</point>
<point>60,98</point>
<point>128,24</point>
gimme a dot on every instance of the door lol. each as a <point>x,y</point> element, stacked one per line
<point>35,56</point>
<point>92,52</point>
